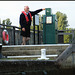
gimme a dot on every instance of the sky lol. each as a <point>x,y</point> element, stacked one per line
<point>13,9</point>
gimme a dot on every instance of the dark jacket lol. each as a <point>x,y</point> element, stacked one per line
<point>22,20</point>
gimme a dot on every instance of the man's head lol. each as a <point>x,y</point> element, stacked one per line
<point>26,8</point>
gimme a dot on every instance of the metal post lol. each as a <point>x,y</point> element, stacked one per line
<point>1,51</point>
<point>14,34</point>
<point>34,27</point>
<point>38,34</point>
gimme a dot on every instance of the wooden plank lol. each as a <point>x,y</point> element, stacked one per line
<point>64,55</point>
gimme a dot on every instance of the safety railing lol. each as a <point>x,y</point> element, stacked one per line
<point>16,39</point>
<point>14,35</point>
<point>61,34</point>
<point>10,27</point>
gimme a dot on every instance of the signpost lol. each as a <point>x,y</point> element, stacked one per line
<point>36,22</point>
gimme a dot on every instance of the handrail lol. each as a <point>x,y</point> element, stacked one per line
<point>14,29</point>
<point>17,27</point>
<point>10,26</point>
<point>65,30</point>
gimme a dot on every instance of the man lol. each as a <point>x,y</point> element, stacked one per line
<point>25,22</point>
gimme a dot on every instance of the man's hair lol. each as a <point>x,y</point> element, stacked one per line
<point>25,6</point>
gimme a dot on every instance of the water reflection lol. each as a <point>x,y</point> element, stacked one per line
<point>39,72</point>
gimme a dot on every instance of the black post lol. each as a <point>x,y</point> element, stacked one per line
<point>14,34</point>
<point>34,27</point>
<point>1,51</point>
<point>38,34</point>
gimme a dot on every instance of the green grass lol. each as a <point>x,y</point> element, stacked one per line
<point>23,59</point>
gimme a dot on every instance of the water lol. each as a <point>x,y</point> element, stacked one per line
<point>39,72</point>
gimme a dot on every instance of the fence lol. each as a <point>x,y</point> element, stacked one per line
<point>15,38</point>
<point>61,34</point>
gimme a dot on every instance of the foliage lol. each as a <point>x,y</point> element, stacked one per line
<point>62,25</point>
<point>7,22</point>
<point>62,21</point>
<point>68,38</point>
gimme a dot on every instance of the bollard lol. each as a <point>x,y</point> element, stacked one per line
<point>43,55</point>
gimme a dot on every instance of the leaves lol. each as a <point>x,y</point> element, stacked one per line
<point>62,25</point>
<point>7,22</point>
<point>62,21</point>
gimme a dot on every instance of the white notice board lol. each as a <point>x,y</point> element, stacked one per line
<point>36,19</point>
<point>49,19</point>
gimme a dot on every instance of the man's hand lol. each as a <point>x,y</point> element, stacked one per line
<point>23,29</point>
<point>43,9</point>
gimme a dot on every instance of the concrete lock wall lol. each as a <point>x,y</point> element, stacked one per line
<point>18,37</point>
<point>69,62</point>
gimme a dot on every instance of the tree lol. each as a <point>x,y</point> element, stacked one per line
<point>7,22</point>
<point>0,20</point>
<point>3,22</point>
<point>63,24</point>
<point>67,38</point>
<point>62,21</point>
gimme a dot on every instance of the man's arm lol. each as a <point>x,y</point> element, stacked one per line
<point>22,22</point>
<point>35,12</point>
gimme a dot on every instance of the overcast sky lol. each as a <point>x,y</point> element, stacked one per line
<point>12,9</point>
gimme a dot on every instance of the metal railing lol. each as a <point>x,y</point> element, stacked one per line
<point>12,27</point>
<point>65,32</point>
<point>14,34</point>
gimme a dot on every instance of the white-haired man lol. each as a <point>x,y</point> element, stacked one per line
<point>25,22</point>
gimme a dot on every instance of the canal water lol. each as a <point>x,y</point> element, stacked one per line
<point>51,72</point>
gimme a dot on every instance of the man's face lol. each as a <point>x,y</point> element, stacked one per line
<point>26,9</point>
